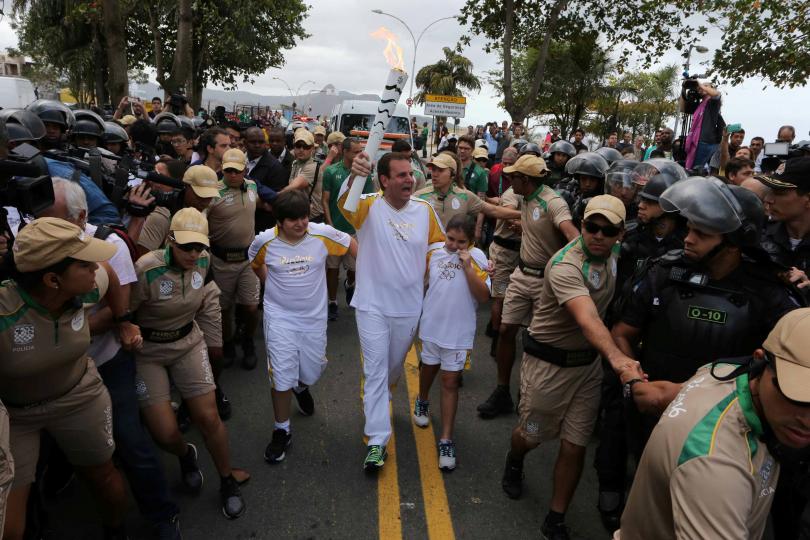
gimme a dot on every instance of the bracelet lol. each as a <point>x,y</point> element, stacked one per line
<point>128,316</point>
<point>627,388</point>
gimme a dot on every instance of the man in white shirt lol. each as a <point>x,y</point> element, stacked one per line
<point>394,231</point>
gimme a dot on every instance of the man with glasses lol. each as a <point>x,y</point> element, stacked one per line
<point>231,222</point>
<point>307,168</point>
<point>561,375</point>
<point>711,466</point>
<point>183,148</point>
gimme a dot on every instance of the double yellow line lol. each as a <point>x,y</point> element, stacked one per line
<point>434,495</point>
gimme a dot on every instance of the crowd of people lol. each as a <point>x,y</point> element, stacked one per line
<point>663,306</point>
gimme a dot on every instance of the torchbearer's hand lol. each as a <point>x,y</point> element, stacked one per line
<point>130,335</point>
<point>361,166</point>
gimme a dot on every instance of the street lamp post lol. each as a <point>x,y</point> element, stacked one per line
<point>289,89</point>
<point>415,47</point>
<point>699,48</point>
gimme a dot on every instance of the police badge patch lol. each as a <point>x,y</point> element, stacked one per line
<point>595,278</point>
<point>166,288</point>
<point>23,334</point>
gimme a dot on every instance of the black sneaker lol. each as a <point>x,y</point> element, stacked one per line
<point>248,353</point>
<point>610,508</point>
<point>333,311</point>
<point>306,405</point>
<point>168,529</point>
<point>557,531</point>
<point>349,292</point>
<point>190,472</point>
<point>512,481</point>
<point>228,353</point>
<point>223,404</point>
<point>233,505</point>
<point>499,402</point>
<point>276,451</point>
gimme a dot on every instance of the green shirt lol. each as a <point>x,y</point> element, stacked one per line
<point>333,178</point>
<point>478,181</point>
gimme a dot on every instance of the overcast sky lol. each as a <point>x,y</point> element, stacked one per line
<point>341,52</point>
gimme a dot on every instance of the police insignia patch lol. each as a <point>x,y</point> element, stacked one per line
<point>23,334</point>
<point>166,288</point>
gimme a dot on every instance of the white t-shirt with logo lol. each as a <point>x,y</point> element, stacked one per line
<point>449,311</point>
<point>295,295</point>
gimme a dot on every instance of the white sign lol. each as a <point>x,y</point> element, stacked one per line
<point>453,106</point>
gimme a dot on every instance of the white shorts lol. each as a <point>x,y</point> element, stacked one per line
<point>450,359</point>
<point>293,356</point>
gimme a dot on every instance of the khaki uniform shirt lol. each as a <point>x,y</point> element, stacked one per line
<point>165,297</point>
<point>541,215</point>
<point>705,472</point>
<point>155,229</point>
<point>508,199</point>
<point>232,217</point>
<point>571,273</point>
<point>307,170</point>
<point>457,201</point>
<point>43,357</point>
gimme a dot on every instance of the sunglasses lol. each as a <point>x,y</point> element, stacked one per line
<point>482,159</point>
<point>301,146</point>
<point>193,246</point>
<point>231,170</point>
<point>178,142</point>
<point>607,230</point>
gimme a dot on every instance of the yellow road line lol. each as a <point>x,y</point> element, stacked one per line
<point>437,510</point>
<point>388,515</point>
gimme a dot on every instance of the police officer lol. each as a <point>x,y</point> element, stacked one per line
<point>58,120</point>
<point>710,468</point>
<point>703,303</point>
<point>560,152</point>
<point>611,155</point>
<point>619,183</point>
<point>87,131</point>
<point>115,138</point>
<point>588,180</point>
<point>231,220</point>
<point>546,223</point>
<point>786,237</point>
<point>166,125</point>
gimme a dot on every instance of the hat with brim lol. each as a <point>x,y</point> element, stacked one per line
<point>203,180</point>
<point>529,165</point>
<point>234,159</point>
<point>47,241</point>
<point>789,342</point>
<point>792,174</point>
<point>127,120</point>
<point>304,136</point>
<point>336,137</point>
<point>480,153</point>
<point>189,226</point>
<point>443,161</point>
<point>607,206</point>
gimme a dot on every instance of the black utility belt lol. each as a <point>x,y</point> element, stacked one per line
<point>508,243</point>
<point>166,336</point>
<point>12,405</point>
<point>530,270</point>
<point>556,356</point>
<point>233,255</point>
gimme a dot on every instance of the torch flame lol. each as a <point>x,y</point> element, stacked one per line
<point>393,52</point>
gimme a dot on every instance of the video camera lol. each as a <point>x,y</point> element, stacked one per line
<point>690,93</point>
<point>778,152</point>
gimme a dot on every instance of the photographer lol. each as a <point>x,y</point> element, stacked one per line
<point>178,105</point>
<point>707,128</point>
<point>136,107</point>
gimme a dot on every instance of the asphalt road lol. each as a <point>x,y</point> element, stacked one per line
<point>320,490</point>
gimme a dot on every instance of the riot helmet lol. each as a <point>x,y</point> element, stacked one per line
<point>167,123</point>
<point>563,147</point>
<point>647,169</point>
<point>589,164</point>
<point>114,133</point>
<point>619,181</point>
<point>753,218</point>
<point>706,203</point>
<point>530,148</point>
<point>52,112</point>
<point>87,123</point>
<point>18,134</point>
<point>31,128</point>
<point>187,127</point>
<point>610,154</point>
<point>656,185</point>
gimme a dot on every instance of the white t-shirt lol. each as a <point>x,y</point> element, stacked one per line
<point>295,289</point>
<point>104,346</point>
<point>392,249</point>
<point>449,312</point>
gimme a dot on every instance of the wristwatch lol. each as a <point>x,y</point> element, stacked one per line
<point>627,388</point>
<point>128,316</point>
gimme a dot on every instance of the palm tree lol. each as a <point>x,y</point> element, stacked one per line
<point>447,77</point>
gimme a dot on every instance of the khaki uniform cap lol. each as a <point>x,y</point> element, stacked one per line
<point>480,153</point>
<point>443,161</point>
<point>529,165</point>
<point>203,180</point>
<point>47,241</point>
<point>189,226</point>
<point>303,135</point>
<point>234,159</point>
<point>127,120</point>
<point>336,137</point>
<point>608,206</point>
<point>789,342</point>
<point>320,130</point>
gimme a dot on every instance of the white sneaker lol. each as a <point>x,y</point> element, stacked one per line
<point>447,456</point>
<point>421,413</point>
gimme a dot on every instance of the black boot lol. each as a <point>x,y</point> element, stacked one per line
<point>499,402</point>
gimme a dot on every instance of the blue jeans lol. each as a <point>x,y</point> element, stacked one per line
<point>703,154</point>
<point>134,447</point>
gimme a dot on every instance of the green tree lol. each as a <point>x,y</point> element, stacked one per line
<point>449,76</point>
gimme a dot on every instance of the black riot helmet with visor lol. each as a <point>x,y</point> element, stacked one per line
<point>610,154</point>
<point>706,203</point>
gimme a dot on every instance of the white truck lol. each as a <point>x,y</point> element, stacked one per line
<point>16,92</point>
<point>354,118</point>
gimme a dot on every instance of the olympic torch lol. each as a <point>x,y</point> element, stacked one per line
<point>385,111</point>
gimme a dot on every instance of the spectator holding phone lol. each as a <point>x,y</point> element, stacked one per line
<point>707,128</point>
<point>732,141</point>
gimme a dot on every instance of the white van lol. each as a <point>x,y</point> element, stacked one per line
<point>358,116</point>
<point>16,92</point>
